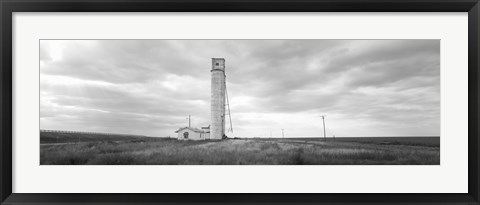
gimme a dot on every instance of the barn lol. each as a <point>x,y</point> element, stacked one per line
<point>190,133</point>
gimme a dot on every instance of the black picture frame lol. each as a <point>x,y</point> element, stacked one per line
<point>7,7</point>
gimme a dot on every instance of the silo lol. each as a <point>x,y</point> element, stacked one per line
<point>217,104</point>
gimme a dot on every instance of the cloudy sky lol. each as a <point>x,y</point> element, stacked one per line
<point>149,87</point>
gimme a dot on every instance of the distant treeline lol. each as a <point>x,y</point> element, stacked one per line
<point>62,136</point>
<point>80,132</point>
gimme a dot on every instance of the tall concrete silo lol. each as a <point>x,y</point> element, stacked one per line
<point>217,104</point>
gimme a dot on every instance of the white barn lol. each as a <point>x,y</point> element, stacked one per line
<point>190,133</point>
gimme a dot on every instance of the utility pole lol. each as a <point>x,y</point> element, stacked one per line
<point>324,133</point>
<point>283,136</point>
<point>270,134</point>
<point>188,120</point>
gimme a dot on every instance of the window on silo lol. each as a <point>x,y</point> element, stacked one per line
<point>217,64</point>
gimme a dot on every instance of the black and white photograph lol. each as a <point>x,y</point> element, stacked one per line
<point>239,102</point>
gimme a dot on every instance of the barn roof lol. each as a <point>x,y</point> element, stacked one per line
<point>190,128</point>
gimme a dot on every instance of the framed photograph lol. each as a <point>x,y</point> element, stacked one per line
<point>184,102</point>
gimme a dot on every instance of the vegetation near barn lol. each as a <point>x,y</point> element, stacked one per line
<point>305,151</point>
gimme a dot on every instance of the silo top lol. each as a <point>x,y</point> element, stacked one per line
<point>218,64</point>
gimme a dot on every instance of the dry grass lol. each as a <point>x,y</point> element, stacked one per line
<point>236,152</point>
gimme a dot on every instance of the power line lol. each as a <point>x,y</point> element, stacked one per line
<point>228,106</point>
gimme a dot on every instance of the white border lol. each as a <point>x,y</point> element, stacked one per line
<point>449,177</point>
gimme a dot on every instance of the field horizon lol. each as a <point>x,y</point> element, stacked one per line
<point>100,134</point>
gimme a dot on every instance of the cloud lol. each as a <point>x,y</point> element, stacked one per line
<point>365,87</point>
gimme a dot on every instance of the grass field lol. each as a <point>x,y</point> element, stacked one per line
<point>124,150</point>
